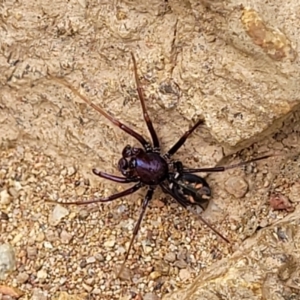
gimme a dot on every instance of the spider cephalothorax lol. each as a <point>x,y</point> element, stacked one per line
<point>150,167</point>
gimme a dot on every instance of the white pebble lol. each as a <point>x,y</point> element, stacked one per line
<point>58,213</point>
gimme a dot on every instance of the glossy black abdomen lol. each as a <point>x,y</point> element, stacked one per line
<point>151,168</point>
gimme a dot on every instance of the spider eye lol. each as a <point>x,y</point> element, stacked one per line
<point>127,151</point>
<point>132,163</point>
<point>123,165</point>
<point>135,151</point>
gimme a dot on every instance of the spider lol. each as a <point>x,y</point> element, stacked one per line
<point>147,166</point>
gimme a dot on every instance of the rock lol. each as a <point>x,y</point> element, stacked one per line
<point>39,294</point>
<point>236,186</point>
<point>170,257</point>
<point>7,260</point>
<point>126,273</point>
<point>280,202</point>
<point>150,296</point>
<point>109,243</point>
<point>42,275</point>
<point>294,194</point>
<point>22,277</point>
<point>32,252</point>
<point>184,274</point>
<point>71,171</point>
<point>58,213</point>
<point>8,292</point>
<point>4,216</point>
<point>181,264</point>
<point>66,296</point>
<point>154,275</point>
<point>5,198</point>
<point>66,237</point>
<point>83,214</point>
<point>91,260</point>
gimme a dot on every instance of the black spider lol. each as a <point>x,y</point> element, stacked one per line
<point>146,166</point>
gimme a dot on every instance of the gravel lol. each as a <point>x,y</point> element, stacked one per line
<point>63,250</point>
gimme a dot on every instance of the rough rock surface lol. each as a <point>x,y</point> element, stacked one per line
<point>265,266</point>
<point>233,63</point>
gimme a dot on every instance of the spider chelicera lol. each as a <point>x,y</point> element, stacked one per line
<point>146,166</point>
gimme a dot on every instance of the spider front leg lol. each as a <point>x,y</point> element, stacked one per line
<point>145,113</point>
<point>114,177</point>
<point>106,199</point>
<point>145,203</point>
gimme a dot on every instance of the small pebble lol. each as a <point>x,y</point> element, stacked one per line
<point>170,257</point>
<point>147,249</point>
<point>154,275</point>
<point>5,198</point>
<point>7,260</point>
<point>90,281</point>
<point>236,186</point>
<point>83,263</point>
<point>263,223</point>
<point>66,237</point>
<point>99,257</point>
<point>4,216</point>
<point>294,194</point>
<point>184,274</point>
<point>121,209</point>
<point>182,254</point>
<point>87,287</point>
<point>157,203</point>
<point>31,252</point>
<point>83,214</point>
<point>109,243</point>
<point>39,295</point>
<point>108,258</point>
<point>163,267</point>
<point>62,280</point>
<point>96,291</point>
<point>150,296</point>
<point>80,190</point>
<point>91,260</point>
<point>22,277</point>
<point>181,264</point>
<point>58,213</point>
<point>42,275</point>
<point>51,236</point>
<point>48,245</point>
<point>40,237</point>
<point>18,237</point>
<point>71,171</point>
<point>126,273</point>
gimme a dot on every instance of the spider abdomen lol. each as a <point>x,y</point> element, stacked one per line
<point>151,168</point>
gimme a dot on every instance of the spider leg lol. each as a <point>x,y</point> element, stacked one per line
<point>224,168</point>
<point>114,178</point>
<point>145,203</point>
<point>182,140</point>
<point>167,190</point>
<point>116,122</point>
<point>106,199</point>
<point>145,114</point>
